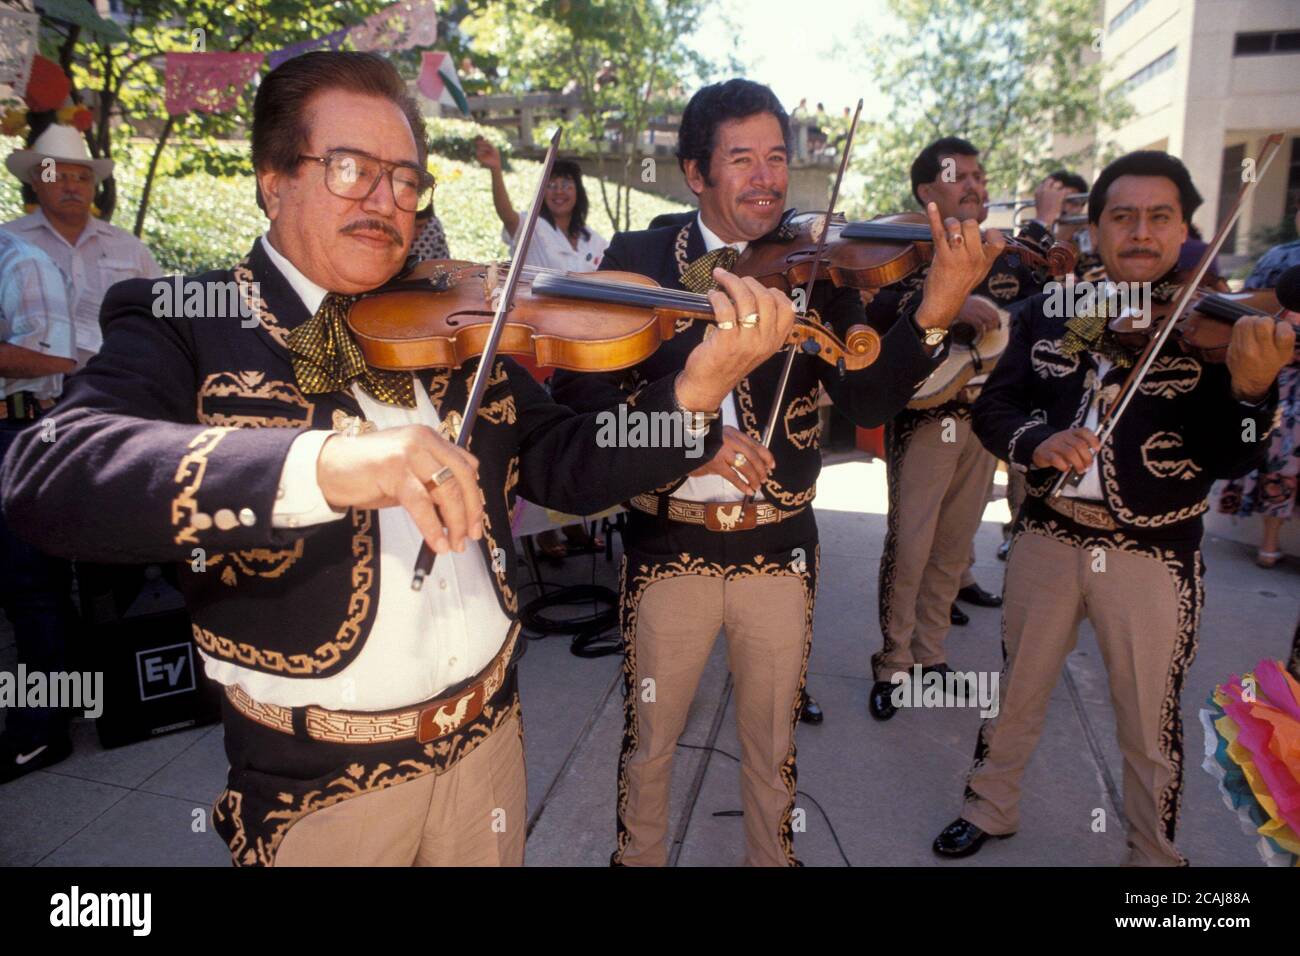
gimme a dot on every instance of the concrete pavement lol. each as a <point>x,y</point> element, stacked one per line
<point>873,793</point>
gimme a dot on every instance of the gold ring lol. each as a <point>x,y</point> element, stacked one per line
<point>442,476</point>
<point>740,461</point>
<point>749,321</point>
<point>726,324</point>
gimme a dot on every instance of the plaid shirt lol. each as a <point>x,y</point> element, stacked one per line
<point>34,312</point>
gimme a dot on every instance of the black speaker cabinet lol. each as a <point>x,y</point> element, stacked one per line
<point>136,631</point>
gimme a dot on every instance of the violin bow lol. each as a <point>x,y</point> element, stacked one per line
<point>790,351</point>
<point>424,563</point>
<point>1152,350</point>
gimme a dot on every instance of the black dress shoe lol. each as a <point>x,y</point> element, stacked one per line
<point>941,669</point>
<point>810,712</point>
<point>962,838</point>
<point>958,617</point>
<point>881,701</point>
<point>974,594</point>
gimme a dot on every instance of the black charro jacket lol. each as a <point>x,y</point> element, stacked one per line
<point>869,397</point>
<point>1182,430</point>
<point>170,444</point>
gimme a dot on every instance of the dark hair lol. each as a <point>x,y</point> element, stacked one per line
<point>280,132</point>
<point>926,166</point>
<point>1070,180</point>
<point>717,104</point>
<point>1145,162</point>
<point>578,219</point>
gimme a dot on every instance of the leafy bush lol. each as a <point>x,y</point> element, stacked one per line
<point>453,138</point>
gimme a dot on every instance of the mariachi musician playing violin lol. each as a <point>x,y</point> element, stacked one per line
<point>734,545</point>
<point>365,722</point>
<point>938,474</point>
<point>1122,546</point>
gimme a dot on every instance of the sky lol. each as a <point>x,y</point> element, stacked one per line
<point>790,46</point>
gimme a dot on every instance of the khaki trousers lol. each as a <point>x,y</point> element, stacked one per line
<point>937,493</point>
<point>473,814</point>
<point>1145,612</point>
<point>676,620</point>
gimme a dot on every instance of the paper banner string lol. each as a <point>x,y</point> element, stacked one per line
<point>406,24</point>
<point>18,32</point>
<point>438,81</point>
<point>208,82</point>
<point>330,41</point>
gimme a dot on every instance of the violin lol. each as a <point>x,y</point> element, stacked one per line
<point>1205,329</point>
<point>864,255</point>
<point>440,314</point>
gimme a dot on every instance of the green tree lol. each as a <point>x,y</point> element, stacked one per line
<point>1008,75</point>
<point>625,60</point>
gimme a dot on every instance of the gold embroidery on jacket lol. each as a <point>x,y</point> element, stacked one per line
<point>802,405</point>
<point>189,474</point>
<point>251,385</point>
<point>328,654</point>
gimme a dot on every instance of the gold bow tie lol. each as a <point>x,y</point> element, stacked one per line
<point>698,275</point>
<point>327,359</point>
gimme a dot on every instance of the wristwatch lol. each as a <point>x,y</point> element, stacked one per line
<point>696,422</point>
<point>933,336</point>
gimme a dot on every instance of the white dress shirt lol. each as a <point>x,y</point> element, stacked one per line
<point>715,487</point>
<point>1090,486</point>
<point>103,256</point>
<point>550,248</point>
<point>421,642</point>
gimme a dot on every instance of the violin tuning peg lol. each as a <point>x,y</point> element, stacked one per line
<point>810,346</point>
<point>839,364</point>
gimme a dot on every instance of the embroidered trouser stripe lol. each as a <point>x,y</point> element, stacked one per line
<point>937,492</point>
<point>671,621</point>
<point>1144,606</point>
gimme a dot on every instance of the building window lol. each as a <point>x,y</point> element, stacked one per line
<point>1157,66</point>
<point>1262,44</point>
<point>1125,15</point>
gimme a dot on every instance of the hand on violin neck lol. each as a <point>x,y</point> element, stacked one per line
<point>1259,349</point>
<point>734,348</point>
<point>962,258</point>
<point>1049,199</point>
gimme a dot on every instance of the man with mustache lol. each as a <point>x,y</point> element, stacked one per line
<point>939,476</point>
<point>1123,547</point>
<point>58,173</point>
<point>700,555</point>
<point>365,722</point>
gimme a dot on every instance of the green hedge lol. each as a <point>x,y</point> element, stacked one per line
<point>197,220</point>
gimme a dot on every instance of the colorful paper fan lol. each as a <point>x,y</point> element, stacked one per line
<point>1252,748</point>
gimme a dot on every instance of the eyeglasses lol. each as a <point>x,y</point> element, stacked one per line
<point>561,185</point>
<point>350,174</point>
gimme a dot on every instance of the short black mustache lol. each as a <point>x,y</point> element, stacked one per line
<point>373,224</point>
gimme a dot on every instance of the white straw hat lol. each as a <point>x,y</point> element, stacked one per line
<point>61,143</point>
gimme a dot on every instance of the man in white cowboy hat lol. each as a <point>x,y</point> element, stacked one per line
<point>94,255</point>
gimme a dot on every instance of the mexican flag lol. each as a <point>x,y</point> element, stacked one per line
<point>438,81</point>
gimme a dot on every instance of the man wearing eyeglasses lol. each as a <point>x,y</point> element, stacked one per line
<point>58,173</point>
<point>366,723</point>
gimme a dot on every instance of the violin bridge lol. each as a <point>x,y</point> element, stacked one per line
<point>490,291</point>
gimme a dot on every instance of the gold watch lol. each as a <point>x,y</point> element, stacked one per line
<point>934,336</point>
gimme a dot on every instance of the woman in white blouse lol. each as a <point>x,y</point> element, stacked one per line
<point>561,240</point>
